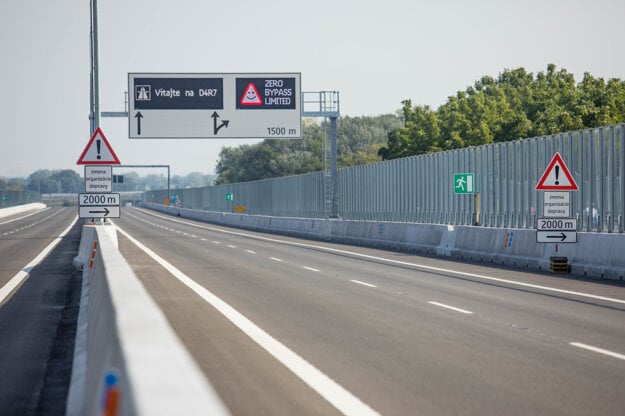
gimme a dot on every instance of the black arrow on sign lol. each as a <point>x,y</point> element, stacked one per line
<point>216,128</point>
<point>562,236</point>
<point>105,212</point>
<point>139,116</point>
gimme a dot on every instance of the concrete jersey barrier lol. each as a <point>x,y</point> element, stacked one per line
<point>5,212</point>
<point>122,335</point>
<point>595,254</point>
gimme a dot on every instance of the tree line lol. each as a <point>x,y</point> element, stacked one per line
<point>517,104</point>
<point>68,181</point>
<point>359,140</point>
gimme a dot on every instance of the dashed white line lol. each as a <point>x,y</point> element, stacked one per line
<point>250,251</point>
<point>598,350</point>
<point>276,259</point>
<point>398,262</point>
<point>362,283</point>
<point>310,269</point>
<point>216,242</point>
<point>453,308</point>
<point>231,246</point>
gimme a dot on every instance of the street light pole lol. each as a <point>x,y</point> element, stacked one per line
<point>94,110</point>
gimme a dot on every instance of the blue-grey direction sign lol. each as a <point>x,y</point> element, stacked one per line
<point>214,106</point>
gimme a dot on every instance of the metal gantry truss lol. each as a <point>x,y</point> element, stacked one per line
<point>326,104</point>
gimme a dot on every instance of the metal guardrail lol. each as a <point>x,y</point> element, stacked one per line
<point>420,188</point>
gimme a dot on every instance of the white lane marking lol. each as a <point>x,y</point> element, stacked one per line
<point>28,215</point>
<point>250,251</point>
<point>453,308</point>
<point>276,259</point>
<point>392,261</point>
<point>309,268</point>
<point>203,239</point>
<point>599,350</point>
<point>330,390</point>
<point>362,283</point>
<point>22,274</point>
<point>216,242</point>
<point>231,246</point>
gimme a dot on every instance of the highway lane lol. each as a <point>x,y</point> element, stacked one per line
<point>39,296</point>
<point>404,334</point>
<point>23,236</point>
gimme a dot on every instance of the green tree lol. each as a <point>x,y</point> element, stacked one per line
<point>513,106</point>
<point>68,181</point>
<point>358,141</point>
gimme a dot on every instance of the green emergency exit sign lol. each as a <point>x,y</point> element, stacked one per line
<point>464,183</point>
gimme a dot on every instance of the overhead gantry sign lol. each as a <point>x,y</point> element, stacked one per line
<point>214,106</point>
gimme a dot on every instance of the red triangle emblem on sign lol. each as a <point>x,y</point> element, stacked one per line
<point>98,151</point>
<point>557,177</point>
<point>250,96</point>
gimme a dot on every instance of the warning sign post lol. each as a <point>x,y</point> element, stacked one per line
<point>214,106</point>
<point>556,226</point>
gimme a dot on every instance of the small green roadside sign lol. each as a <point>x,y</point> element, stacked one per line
<point>464,183</point>
<point>229,197</point>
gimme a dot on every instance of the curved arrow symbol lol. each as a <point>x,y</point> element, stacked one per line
<point>216,128</point>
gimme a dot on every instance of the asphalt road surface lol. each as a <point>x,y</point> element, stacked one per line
<point>394,333</point>
<point>38,310</point>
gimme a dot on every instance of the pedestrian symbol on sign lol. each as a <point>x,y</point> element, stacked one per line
<point>463,183</point>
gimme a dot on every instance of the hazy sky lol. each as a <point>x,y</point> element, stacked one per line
<point>375,53</point>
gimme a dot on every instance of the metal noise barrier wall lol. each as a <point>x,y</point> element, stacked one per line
<point>419,189</point>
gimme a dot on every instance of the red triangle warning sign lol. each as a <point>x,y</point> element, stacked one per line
<point>250,96</point>
<point>98,151</point>
<point>557,177</point>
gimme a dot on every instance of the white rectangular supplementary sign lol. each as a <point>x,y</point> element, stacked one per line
<point>214,106</point>
<point>112,211</point>
<point>557,224</point>
<point>98,179</point>
<point>557,204</point>
<point>97,200</point>
<point>556,236</point>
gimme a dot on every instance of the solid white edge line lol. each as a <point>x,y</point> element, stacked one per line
<point>331,391</point>
<point>391,261</point>
<point>453,308</point>
<point>598,350</point>
<point>16,280</point>
<point>362,283</point>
